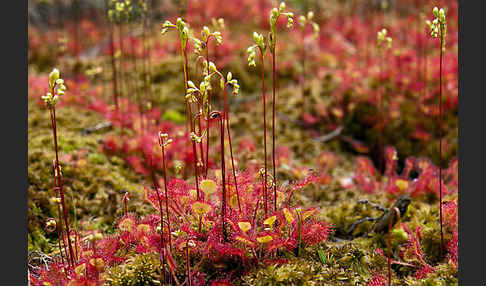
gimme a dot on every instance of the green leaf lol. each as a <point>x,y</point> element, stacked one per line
<point>322,257</point>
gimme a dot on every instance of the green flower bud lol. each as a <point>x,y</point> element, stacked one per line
<point>191,84</point>
<point>302,21</point>
<point>221,23</point>
<point>442,15</point>
<point>206,31</point>
<point>185,33</point>
<point>208,77</point>
<point>290,20</point>
<point>197,46</point>
<point>256,37</point>
<point>436,11</point>
<point>273,17</point>
<point>282,6</point>
<point>316,28</point>
<point>218,37</point>
<point>53,77</point>
<point>180,23</point>
<point>310,15</point>
<point>229,76</point>
<point>212,66</point>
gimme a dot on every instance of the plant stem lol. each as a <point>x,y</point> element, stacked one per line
<point>207,119</point>
<point>113,67</point>
<point>440,143</point>
<point>274,83</point>
<point>157,189</point>
<point>188,265</point>
<point>394,212</point>
<point>59,181</point>
<point>189,115</point>
<point>226,116</point>
<point>264,134</point>
<point>135,86</point>
<point>122,74</point>
<point>166,194</point>
<point>380,116</point>
<point>223,179</point>
<point>303,79</point>
<point>60,231</point>
<point>199,132</point>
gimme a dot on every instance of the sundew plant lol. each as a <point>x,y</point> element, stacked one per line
<point>153,159</point>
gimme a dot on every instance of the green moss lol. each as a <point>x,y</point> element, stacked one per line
<point>97,181</point>
<point>346,264</point>
<point>142,269</point>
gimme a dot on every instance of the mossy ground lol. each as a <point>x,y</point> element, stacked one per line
<point>97,181</point>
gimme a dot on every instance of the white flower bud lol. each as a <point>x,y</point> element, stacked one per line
<point>436,11</point>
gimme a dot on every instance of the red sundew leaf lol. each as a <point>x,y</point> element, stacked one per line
<point>368,184</point>
<point>452,245</point>
<point>314,232</point>
<point>391,159</point>
<point>424,272</point>
<point>378,280</point>
<point>427,182</point>
<point>409,166</point>
<point>397,186</point>
<point>365,166</point>
<point>413,251</point>
<point>450,210</point>
<point>111,144</point>
<point>153,199</point>
<point>137,165</point>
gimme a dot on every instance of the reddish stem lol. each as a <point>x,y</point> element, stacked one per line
<point>273,130</point>
<point>59,180</point>
<point>440,144</point>
<point>157,189</point>
<point>303,78</point>
<point>113,67</point>
<point>191,123</point>
<point>381,116</point>
<point>207,119</point>
<point>165,189</point>
<point>226,115</point>
<point>122,74</point>
<point>223,178</point>
<point>188,266</point>
<point>264,134</point>
<point>125,202</point>
<point>60,231</point>
<point>199,114</point>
